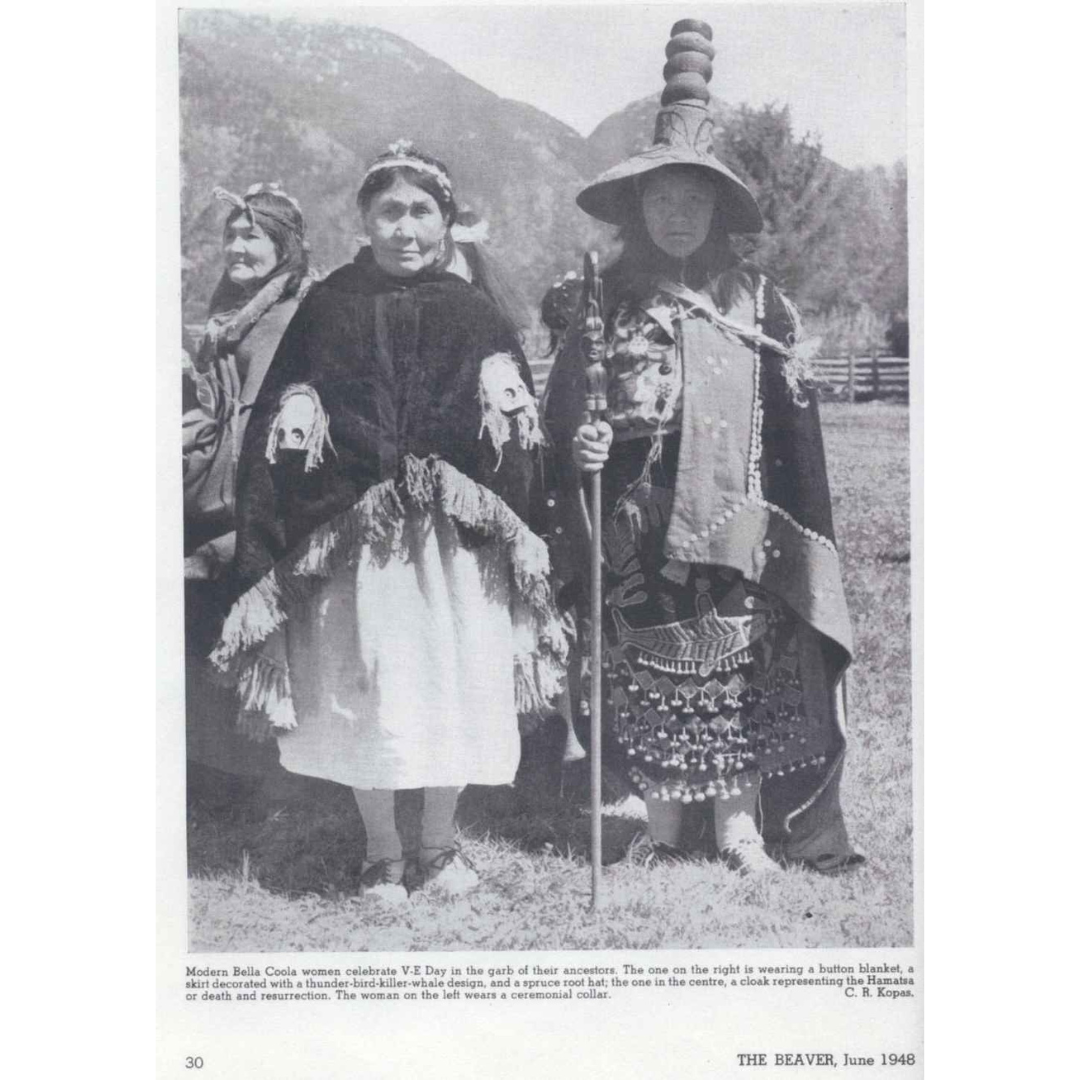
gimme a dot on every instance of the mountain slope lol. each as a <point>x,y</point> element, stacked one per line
<point>312,104</point>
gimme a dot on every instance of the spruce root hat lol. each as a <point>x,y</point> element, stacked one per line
<point>683,136</point>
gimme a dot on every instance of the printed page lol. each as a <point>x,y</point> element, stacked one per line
<point>379,733</point>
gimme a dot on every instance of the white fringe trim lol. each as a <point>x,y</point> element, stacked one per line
<point>266,698</point>
<point>376,519</point>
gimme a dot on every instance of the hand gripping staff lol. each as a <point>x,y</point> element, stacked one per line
<point>594,357</point>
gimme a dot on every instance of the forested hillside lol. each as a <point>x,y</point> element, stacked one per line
<point>310,104</point>
<point>835,238</point>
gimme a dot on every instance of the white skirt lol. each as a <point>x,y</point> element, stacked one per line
<point>402,670</point>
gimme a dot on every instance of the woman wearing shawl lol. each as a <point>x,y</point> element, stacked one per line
<point>266,276</point>
<point>726,630</point>
<point>398,616</point>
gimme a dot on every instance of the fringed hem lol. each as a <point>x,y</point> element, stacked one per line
<point>541,653</point>
<point>377,519</point>
<point>253,618</point>
<point>266,697</point>
<point>539,676</point>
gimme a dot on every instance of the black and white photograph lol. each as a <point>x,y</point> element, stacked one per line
<point>545,398</point>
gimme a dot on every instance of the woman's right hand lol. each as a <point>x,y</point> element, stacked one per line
<point>591,446</point>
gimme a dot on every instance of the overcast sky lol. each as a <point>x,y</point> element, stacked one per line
<point>841,67</point>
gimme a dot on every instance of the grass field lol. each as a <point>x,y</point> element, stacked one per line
<point>278,875</point>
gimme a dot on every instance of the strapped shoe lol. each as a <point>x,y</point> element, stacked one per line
<point>382,881</point>
<point>742,847</point>
<point>449,870</point>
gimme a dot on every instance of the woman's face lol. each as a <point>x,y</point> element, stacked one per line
<point>250,256</point>
<point>678,205</point>
<point>406,228</point>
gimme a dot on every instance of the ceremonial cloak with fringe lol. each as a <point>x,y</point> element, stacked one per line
<point>740,509</point>
<point>396,613</point>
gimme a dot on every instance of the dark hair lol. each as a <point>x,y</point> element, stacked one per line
<point>489,276</point>
<point>378,181</point>
<point>715,268</point>
<point>283,222</point>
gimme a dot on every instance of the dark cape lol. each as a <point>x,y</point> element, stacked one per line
<point>241,337</point>
<point>396,365</point>
<point>802,816</point>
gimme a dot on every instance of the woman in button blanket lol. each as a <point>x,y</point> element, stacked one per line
<point>726,631</point>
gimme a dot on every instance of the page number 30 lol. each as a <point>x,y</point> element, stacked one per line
<point>193,1063</point>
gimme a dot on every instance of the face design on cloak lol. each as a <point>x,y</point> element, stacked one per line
<point>677,203</point>
<point>295,422</point>
<point>406,228</point>
<point>250,255</point>
<point>502,385</point>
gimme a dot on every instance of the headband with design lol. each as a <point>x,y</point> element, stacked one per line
<point>404,155</point>
<point>244,206</point>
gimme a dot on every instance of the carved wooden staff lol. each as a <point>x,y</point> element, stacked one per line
<point>596,383</point>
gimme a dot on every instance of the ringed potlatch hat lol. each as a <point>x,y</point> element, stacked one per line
<point>683,136</point>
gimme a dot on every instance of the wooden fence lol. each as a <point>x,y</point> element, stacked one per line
<point>863,378</point>
<point>853,378</point>
<point>860,378</point>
